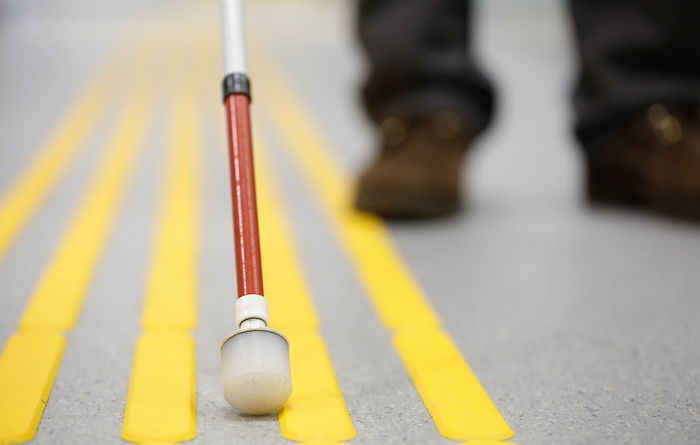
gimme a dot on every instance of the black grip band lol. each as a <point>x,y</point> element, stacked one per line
<point>236,83</point>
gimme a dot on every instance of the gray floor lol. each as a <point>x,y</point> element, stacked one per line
<point>582,324</point>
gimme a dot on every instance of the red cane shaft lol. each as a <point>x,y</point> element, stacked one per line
<point>245,213</point>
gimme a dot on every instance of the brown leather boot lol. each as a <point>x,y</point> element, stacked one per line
<point>654,163</point>
<point>418,169</point>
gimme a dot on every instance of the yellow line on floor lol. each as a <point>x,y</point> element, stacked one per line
<point>316,410</point>
<point>453,395</point>
<point>171,297</point>
<point>28,191</point>
<point>161,403</point>
<point>458,404</point>
<point>159,442</point>
<point>58,298</point>
<point>286,290</point>
<point>28,366</point>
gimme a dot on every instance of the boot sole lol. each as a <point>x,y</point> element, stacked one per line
<point>618,186</point>
<point>398,206</point>
<point>615,185</point>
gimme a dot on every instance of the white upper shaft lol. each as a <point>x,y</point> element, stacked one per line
<point>233,15</point>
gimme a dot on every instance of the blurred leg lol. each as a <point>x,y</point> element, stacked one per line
<point>420,62</point>
<point>638,102</point>
<point>632,54</point>
<point>428,99</point>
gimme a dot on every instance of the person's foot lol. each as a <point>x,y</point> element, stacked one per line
<point>417,171</point>
<point>655,163</point>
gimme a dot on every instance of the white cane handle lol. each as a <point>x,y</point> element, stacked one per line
<point>233,15</point>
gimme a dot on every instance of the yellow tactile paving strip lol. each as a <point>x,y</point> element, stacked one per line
<point>171,295</point>
<point>57,300</point>
<point>458,404</point>
<point>316,410</point>
<point>454,397</point>
<point>161,400</point>
<point>26,194</point>
<point>28,367</point>
<point>290,304</point>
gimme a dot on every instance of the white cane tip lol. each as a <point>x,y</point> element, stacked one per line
<point>257,393</point>
<point>255,371</point>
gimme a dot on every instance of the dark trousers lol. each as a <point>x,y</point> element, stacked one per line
<point>632,54</point>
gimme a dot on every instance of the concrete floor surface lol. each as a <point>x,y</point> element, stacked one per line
<point>582,324</point>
